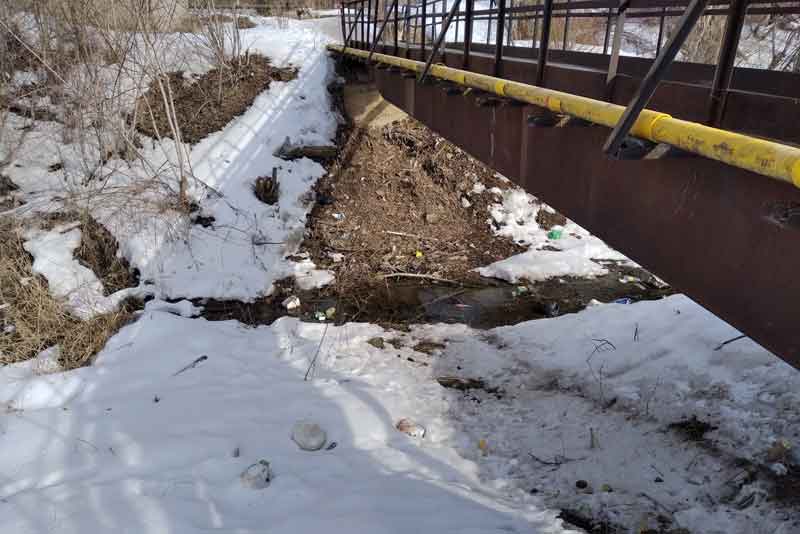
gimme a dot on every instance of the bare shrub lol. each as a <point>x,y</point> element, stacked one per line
<point>12,54</point>
<point>221,35</point>
<point>702,45</point>
<point>780,35</point>
<point>95,73</point>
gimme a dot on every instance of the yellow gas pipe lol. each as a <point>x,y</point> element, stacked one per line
<point>768,158</point>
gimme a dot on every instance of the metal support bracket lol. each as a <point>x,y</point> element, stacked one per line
<point>616,46</point>
<point>380,32</point>
<point>654,76</point>
<point>544,43</point>
<point>468,32</point>
<point>727,57</point>
<point>439,40</point>
<point>353,27</point>
<point>498,40</point>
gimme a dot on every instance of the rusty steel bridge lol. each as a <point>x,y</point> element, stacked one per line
<point>689,169</point>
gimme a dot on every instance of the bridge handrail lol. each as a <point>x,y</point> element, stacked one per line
<point>768,158</point>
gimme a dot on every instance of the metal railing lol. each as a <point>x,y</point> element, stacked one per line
<point>539,24</point>
<point>432,27</point>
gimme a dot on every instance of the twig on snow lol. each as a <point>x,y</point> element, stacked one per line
<point>192,365</point>
<point>89,443</point>
<point>602,345</point>
<point>594,441</point>
<point>693,461</point>
<point>731,340</point>
<point>654,468</point>
<point>598,376</point>
<point>557,461</point>
<point>658,504</point>
<point>316,355</point>
<point>651,396</point>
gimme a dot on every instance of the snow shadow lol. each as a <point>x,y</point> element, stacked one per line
<point>135,444</point>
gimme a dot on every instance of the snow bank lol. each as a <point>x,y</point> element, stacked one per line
<point>244,251</point>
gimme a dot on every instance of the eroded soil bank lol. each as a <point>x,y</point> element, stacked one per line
<point>398,221</point>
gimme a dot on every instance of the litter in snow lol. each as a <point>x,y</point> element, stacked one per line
<point>257,476</point>
<point>407,426</point>
<point>291,303</point>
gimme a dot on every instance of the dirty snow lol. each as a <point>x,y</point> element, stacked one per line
<point>569,251</point>
<point>623,372</point>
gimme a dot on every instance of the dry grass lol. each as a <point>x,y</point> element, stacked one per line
<point>210,102</point>
<point>38,320</point>
<point>98,252</point>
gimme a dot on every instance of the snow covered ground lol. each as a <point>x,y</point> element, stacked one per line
<point>568,413</point>
<point>134,443</point>
<point>128,444</point>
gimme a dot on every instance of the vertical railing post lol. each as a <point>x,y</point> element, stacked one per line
<point>468,32</point>
<point>379,35</point>
<point>660,30</point>
<point>375,22</point>
<point>544,42</point>
<point>653,77</point>
<point>458,20</point>
<point>396,26</point>
<point>444,14</point>
<point>344,32</point>
<point>439,40</point>
<point>727,57</point>
<point>510,24</point>
<point>424,24</point>
<point>368,36</point>
<point>566,28</point>
<point>608,30</point>
<point>613,62</point>
<point>408,33</point>
<point>536,16</point>
<point>489,23</point>
<point>498,42</point>
<point>363,26</point>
